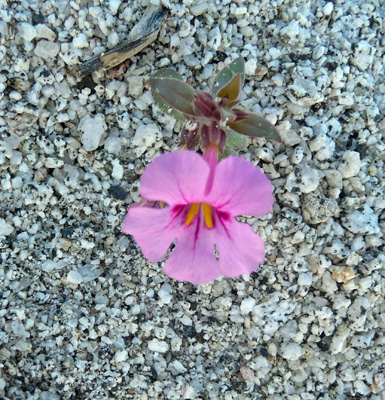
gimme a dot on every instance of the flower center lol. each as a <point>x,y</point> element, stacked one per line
<point>207,213</point>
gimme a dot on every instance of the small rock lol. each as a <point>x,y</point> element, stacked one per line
<point>135,85</point>
<point>90,272</point>
<point>365,222</point>
<point>189,393</point>
<point>350,164</point>
<point>118,192</point>
<point>145,137</point>
<point>49,266</point>
<point>316,208</point>
<point>328,8</point>
<point>93,130</point>
<point>27,31</point>
<point>305,279</point>
<point>334,178</point>
<point>250,67</point>
<point>290,137</point>
<point>80,41</point>
<point>291,351</point>
<point>113,144</point>
<point>177,367</point>
<point>303,178</point>
<point>343,274</point>
<point>247,373</point>
<point>165,293</point>
<point>247,305</point>
<point>339,341</point>
<point>46,49</point>
<point>215,38</point>
<point>298,154</point>
<point>74,278</point>
<point>120,356</point>
<point>199,9</point>
<point>43,32</point>
<point>5,228</point>
<point>158,346</point>
<point>117,171</point>
<point>304,93</point>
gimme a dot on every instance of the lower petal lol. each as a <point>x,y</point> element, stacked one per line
<point>193,259</point>
<point>153,229</point>
<point>240,249</point>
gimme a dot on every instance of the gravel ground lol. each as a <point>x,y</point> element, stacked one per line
<point>83,315</point>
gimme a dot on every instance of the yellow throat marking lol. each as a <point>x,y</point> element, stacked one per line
<point>207,214</point>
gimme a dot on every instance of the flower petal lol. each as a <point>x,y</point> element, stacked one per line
<point>193,259</point>
<point>153,229</point>
<point>240,188</point>
<point>240,249</point>
<point>175,178</point>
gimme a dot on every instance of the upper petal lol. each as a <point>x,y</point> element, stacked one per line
<point>240,188</point>
<point>240,249</point>
<point>193,259</point>
<point>153,229</point>
<point>175,178</point>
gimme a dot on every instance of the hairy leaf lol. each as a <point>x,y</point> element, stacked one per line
<point>167,73</point>
<point>175,93</point>
<point>255,126</point>
<point>227,75</point>
<point>232,90</point>
<point>236,140</point>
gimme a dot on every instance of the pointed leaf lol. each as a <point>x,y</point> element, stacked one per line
<point>167,73</point>
<point>232,90</point>
<point>175,93</point>
<point>228,73</point>
<point>255,126</point>
<point>165,107</point>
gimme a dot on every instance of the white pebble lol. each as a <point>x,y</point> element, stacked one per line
<point>165,293</point>
<point>43,32</point>
<point>49,266</point>
<point>350,164</point>
<point>346,99</point>
<point>250,67</point>
<point>120,356</point>
<point>117,171</point>
<point>93,130</point>
<point>177,367</point>
<point>339,340</point>
<point>113,144</point>
<point>274,53</point>
<point>46,49</point>
<point>74,278</point>
<point>27,31</point>
<point>80,41</point>
<point>328,8</point>
<point>146,136</point>
<point>113,5</point>
<point>291,351</point>
<point>5,228</point>
<point>112,40</point>
<point>215,38</point>
<point>365,222</point>
<point>248,305</point>
<point>199,9</point>
<point>305,279</point>
<point>135,85</point>
<point>158,346</point>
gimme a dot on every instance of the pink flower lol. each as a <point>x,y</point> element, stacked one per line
<point>202,200</point>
